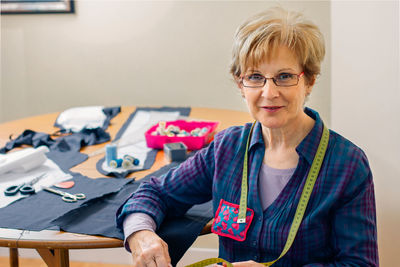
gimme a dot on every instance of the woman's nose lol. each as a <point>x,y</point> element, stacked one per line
<point>270,90</point>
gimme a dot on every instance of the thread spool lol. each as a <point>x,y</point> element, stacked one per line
<point>128,157</point>
<point>111,153</point>
<point>126,164</point>
<point>116,163</point>
<point>132,159</point>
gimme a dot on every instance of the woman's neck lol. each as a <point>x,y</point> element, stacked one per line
<point>280,144</point>
<point>287,137</point>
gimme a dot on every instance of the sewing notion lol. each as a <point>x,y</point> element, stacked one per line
<point>67,197</point>
<point>127,162</point>
<point>24,189</point>
<point>194,134</point>
<point>175,151</point>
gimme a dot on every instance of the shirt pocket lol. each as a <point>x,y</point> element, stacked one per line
<point>225,221</point>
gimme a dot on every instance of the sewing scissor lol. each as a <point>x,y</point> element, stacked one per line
<point>24,189</point>
<point>67,197</point>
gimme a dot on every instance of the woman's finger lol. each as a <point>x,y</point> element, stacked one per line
<point>161,257</point>
<point>166,252</point>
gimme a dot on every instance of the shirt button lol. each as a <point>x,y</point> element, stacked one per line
<point>259,219</point>
<point>255,257</point>
<point>254,243</point>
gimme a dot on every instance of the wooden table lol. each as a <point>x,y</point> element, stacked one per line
<point>53,246</point>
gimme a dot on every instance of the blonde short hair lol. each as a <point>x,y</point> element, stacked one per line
<point>256,39</point>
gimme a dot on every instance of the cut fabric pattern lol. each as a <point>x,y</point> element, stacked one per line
<point>37,212</point>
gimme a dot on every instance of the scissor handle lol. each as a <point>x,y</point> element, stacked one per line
<point>80,196</point>
<point>69,198</point>
<point>12,190</point>
<point>27,190</point>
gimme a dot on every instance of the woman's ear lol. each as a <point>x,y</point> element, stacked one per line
<point>310,85</point>
<point>311,81</point>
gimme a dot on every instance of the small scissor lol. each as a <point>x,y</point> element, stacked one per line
<point>25,188</point>
<point>67,197</point>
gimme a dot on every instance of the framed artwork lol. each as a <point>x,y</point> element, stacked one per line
<point>36,6</point>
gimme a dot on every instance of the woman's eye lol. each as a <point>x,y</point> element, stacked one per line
<point>255,77</point>
<point>284,76</point>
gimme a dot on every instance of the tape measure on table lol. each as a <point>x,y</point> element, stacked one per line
<point>301,206</point>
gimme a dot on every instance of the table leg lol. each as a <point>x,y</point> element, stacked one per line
<point>54,257</point>
<point>61,258</point>
<point>13,257</point>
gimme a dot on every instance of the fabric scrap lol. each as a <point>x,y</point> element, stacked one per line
<point>37,212</point>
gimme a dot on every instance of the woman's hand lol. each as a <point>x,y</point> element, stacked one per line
<point>148,250</point>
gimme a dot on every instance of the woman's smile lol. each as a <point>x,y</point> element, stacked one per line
<point>272,109</point>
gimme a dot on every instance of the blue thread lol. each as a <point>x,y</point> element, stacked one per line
<point>111,153</point>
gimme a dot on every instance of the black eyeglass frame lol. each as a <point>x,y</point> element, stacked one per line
<point>273,79</point>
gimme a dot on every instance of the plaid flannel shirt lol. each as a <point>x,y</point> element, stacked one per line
<point>339,225</point>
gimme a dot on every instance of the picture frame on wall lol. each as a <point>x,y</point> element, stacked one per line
<point>37,6</point>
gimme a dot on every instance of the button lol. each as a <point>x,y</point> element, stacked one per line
<point>259,219</point>
<point>255,257</point>
<point>254,243</point>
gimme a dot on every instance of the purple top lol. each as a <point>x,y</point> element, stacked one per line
<point>271,182</point>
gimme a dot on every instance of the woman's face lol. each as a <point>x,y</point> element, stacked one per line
<point>274,106</point>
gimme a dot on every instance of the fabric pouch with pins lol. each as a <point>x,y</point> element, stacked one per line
<point>225,221</point>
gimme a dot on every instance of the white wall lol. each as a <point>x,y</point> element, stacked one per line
<point>139,53</point>
<point>365,101</point>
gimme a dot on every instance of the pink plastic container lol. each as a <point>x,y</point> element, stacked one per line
<point>192,142</point>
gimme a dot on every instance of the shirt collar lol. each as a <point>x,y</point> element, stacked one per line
<point>256,137</point>
<point>308,147</point>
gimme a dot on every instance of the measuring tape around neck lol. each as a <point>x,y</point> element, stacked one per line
<point>301,206</point>
<point>243,193</point>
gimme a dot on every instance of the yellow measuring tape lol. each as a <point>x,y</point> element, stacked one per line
<point>301,207</point>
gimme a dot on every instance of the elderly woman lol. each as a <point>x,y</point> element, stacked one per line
<point>276,60</point>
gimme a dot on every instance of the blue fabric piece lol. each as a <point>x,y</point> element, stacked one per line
<point>66,160</point>
<point>184,111</point>
<point>71,142</point>
<point>37,212</point>
<point>151,156</point>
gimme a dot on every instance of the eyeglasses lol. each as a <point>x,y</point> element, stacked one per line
<point>257,80</point>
